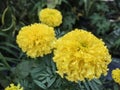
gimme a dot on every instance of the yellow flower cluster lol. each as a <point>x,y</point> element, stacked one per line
<point>79,55</point>
<point>13,87</point>
<point>36,39</point>
<point>51,17</point>
<point>116,75</point>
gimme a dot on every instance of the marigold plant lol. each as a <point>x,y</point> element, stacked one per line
<point>51,17</point>
<point>116,75</point>
<point>36,39</point>
<point>79,55</point>
<point>13,87</point>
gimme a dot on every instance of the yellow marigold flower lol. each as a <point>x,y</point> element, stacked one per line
<point>51,17</point>
<point>79,55</point>
<point>36,39</point>
<point>116,75</point>
<point>13,87</point>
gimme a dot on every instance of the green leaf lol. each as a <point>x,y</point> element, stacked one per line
<point>93,85</point>
<point>23,69</point>
<point>68,16</point>
<point>116,86</point>
<point>51,81</point>
<point>116,60</point>
<point>53,3</point>
<point>49,70</point>
<point>103,7</point>
<point>6,36</point>
<point>35,73</point>
<point>2,58</point>
<point>80,85</point>
<point>97,81</point>
<point>87,6</point>
<point>41,78</point>
<point>102,26</point>
<point>9,45</point>
<point>3,15</point>
<point>43,73</point>
<point>86,85</point>
<point>9,27</point>
<point>3,80</point>
<point>113,42</point>
<point>40,84</point>
<point>8,50</point>
<point>13,60</point>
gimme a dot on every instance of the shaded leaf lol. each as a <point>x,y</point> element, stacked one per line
<point>40,84</point>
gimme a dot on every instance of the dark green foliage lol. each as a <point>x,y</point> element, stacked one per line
<point>97,16</point>
<point>113,42</point>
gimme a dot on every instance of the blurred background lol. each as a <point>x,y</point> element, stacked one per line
<point>101,17</point>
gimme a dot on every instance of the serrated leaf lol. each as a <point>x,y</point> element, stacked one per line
<point>40,84</point>
<point>44,81</point>
<point>112,37</point>
<point>112,41</point>
<point>58,82</point>
<point>51,81</point>
<point>35,71</point>
<point>41,78</point>
<point>53,67</point>
<point>86,85</point>
<point>80,85</point>
<point>69,16</point>
<point>92,85</point>
<point>49,70</point>
<point>97,81</point>
<point>45,74</point>
<point>95,86</point>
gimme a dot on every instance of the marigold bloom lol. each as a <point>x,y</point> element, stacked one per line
<point>13,87</point>
<point>116,75</point>
<point>36,39</point>
<point>51,17</point>
<point>79,55</point>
